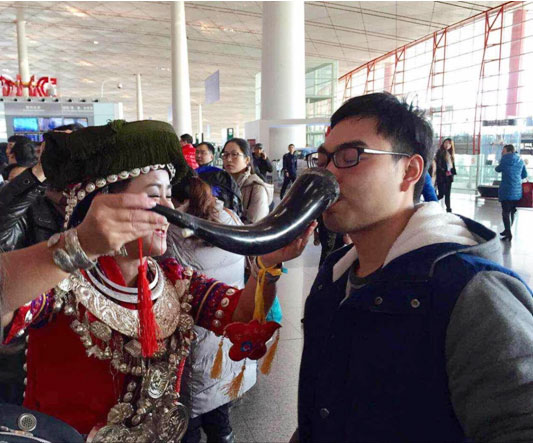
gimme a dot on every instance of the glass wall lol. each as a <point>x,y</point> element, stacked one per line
<point>473,80</point>
<point>320,91</point>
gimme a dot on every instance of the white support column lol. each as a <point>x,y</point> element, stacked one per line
<point>181,92</point>
<point>22,46</point>
<point>200,124</point>
<point>140,109</point>
<point>283,72</point>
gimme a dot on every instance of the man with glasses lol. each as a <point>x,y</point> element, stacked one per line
<point>414,332</point>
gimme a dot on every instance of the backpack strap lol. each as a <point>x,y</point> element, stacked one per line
<point>232,214</point>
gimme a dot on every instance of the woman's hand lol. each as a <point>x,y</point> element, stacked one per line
<point>292,250</point>
<point>116,219</point>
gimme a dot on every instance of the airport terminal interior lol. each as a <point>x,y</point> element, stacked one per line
<point>234,100</point>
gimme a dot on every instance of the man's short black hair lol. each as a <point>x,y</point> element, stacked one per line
<point>258,146</point>
<point>18,138</point>
<point>187,138</point>
<point>208,146</point>
<point>24,152</point>
<point>402,124</point>
<point>509,148</point>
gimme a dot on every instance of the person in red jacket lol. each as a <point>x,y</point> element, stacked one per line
<point>189,152</point>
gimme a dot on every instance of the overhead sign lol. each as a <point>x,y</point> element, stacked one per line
<point>504,122</point>
<point>212,88</point>
<point>46,109</point>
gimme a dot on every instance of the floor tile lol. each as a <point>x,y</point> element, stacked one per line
<point>277,429</point>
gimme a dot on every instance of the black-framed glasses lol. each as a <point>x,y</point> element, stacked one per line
<point>349,156</point>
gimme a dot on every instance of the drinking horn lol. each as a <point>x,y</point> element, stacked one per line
<point>310,195</point>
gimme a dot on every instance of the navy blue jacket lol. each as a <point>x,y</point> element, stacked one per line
<point>513,171</point>
<point>374,364</point>
<point>290,164</point>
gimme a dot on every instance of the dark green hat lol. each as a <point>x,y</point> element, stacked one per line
<point>103,151</point>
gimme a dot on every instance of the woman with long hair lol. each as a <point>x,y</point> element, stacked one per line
<point>204,396</point>
<point>445,162</point>
<point>110,342</point>
<point>256,194</point>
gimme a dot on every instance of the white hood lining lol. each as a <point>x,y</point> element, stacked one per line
<point>428,225</point>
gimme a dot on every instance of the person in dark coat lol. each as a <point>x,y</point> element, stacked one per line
<point>21,156</point>
<point>513,171</point>
<point>3,156</point>
<point>262,164</point>
<point>445,160</point>
<point>289,170</point>
<point>30,213</point>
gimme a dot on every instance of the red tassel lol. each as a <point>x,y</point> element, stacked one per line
<point>148,328</point>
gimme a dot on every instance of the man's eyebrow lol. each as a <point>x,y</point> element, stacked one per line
<point>352,144</point>
<point>349,144</point>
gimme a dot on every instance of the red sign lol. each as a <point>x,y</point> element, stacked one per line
<point>43,87</point>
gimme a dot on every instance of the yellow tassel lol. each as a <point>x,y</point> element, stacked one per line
<point>266,366</point>
<point>233,388</point>
<point>259,311</point>
<point>216,370</point>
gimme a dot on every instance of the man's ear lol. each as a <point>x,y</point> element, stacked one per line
<point>413,170</point>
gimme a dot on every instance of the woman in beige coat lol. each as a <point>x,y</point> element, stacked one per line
<point>256,194</point>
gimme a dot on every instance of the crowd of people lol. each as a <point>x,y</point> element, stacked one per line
<point>116,319</point>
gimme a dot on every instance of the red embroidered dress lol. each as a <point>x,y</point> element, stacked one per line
<point>83,359</point>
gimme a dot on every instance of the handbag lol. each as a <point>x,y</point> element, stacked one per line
<point>527,196</point>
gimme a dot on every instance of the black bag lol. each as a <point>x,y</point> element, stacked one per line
<point>21,425</point>
<point>224,186</point>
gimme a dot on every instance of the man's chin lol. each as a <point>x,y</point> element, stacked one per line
<point>333,221</point>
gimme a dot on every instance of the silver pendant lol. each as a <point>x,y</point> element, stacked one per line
<point>172,425</point>
<point>157,379</point>
<point>119,413</point>
<point>133,347</point>
<point>111,434</point>
<point>101,331</point>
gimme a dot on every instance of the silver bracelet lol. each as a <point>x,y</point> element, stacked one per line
<point>62,260</point>
<point>75,251</point>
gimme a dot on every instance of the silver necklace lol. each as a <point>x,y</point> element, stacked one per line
<point>125,294</point>
<point>126,289</point>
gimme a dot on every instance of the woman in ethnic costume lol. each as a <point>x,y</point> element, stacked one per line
<point>99,357</point>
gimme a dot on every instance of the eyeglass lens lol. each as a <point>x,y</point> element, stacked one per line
<point>341,158</point>
<point>231,154</point>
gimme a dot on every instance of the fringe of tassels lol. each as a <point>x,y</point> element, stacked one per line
<point>234,387</point>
